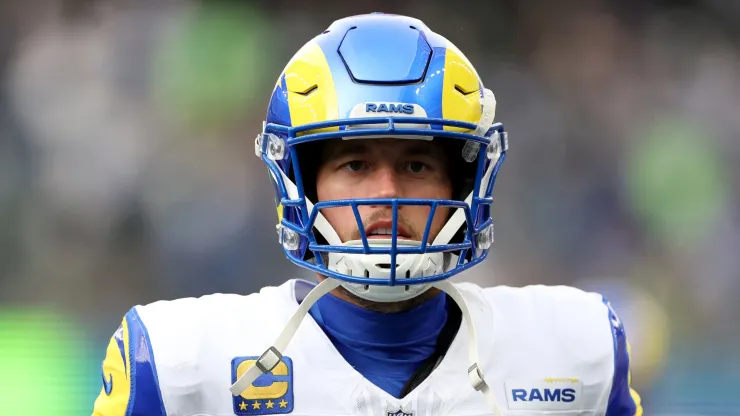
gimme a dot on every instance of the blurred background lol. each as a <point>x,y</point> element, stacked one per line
<point>127,171</point>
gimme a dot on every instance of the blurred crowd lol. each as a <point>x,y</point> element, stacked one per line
<point>127,171</point>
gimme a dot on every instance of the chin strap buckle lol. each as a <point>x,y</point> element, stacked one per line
<point>476,377</point>
<point>269,360</point>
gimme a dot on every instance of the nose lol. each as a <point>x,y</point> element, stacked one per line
<point>385,182</point>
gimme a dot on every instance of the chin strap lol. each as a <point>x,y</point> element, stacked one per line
<point>272,356</point>
<point>475,376</point>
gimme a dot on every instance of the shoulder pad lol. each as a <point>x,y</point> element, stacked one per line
<point>567,318</point>
<point>544,300</point>
<point>573,323</point>
<point>129,376</point>
<point>623,399</point>
<point>184,337</point>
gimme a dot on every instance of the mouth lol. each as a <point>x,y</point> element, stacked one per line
<point>384,229</point>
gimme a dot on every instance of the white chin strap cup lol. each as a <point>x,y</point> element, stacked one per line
<point>272,356</point>
<point>378,266</point>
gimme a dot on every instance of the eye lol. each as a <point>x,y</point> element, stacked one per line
<point>416,167</point>
<point>354,165</point>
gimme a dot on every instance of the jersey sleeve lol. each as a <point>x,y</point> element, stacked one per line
<point>623,399</point>
<point>129,375</point>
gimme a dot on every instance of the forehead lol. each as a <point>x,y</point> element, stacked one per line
<point>339,147</point>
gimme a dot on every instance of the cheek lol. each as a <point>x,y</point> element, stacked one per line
<point>418,216</point>
<point>325,186</point>
<point>435,187</point>
<point>332,187</point>
<point>442,214</point>
<point>440,218</point>
<point>342,219</point>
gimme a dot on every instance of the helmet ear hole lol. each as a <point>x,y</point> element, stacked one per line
<point>463,179</point>
<point>309,161</point>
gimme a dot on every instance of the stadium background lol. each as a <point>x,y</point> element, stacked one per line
<point>127,171</point>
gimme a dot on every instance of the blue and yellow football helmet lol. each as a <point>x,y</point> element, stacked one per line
<point>382,75</point>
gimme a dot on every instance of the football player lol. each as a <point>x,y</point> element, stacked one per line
<point>381,144</point>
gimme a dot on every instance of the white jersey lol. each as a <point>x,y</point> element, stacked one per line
<point>543,351</point>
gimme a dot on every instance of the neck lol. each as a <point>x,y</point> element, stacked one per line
<point>382,307</point>
<point>385,342</point>
<point>381,343</point>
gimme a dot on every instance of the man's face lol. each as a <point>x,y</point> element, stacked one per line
<point>383,168</point>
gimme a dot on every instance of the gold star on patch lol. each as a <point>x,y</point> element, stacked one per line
<point>242,405</point>
<point>256,405</point>
<point>270,404</point>
<point>283,403</point>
